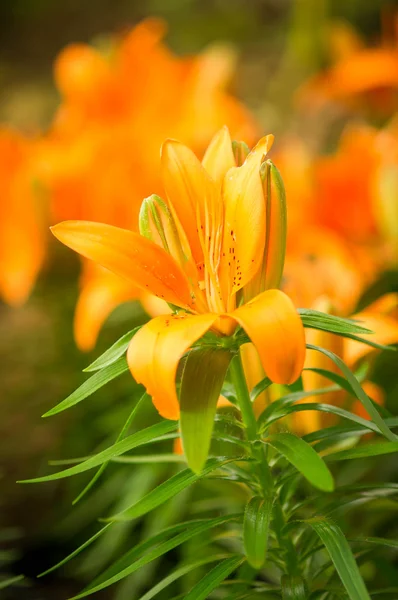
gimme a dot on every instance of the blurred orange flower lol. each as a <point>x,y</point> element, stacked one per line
<point>359,75</point>
<point>22,219</point>
<point>342,216</point>
<point>342,234</point>
<point>100,157</point>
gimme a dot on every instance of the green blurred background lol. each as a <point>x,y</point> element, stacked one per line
<point>279,43</point>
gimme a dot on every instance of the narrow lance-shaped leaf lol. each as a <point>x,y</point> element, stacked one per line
<point>189,532</point>
<point>178,573</point>
<point>256,524</point>
<point>284,410</point>
<point>122,435</point>
<point>213,578</point>
<point>347,328</point>
<point>113,353</point>
<point>302,456</point>
<point>259,388</point>
<point>201,384</point>
<point>94,383</point>
<point>11,581</point>
<point>132,441</point>
<point>342,557</point>
<point>168,489</point>
<point>77,551</point>
<point>358,391</point>
<point>134,553</point>
<point>376,449</point>
<point>319,320</point>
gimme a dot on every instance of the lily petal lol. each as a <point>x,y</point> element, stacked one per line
<point>188,187</point>
<point>129,255</point>
<point>275,328</point>
<point>219,157</point>
<point>244,231</point>
<point>155,351</point>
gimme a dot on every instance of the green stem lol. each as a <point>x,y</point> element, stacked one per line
<point>262,468</point>
<point>242,392</point>
<point>250,423</point>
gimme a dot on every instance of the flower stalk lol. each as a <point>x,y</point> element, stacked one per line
<point>262,468</point>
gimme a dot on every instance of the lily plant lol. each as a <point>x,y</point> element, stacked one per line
<point>213,250</point>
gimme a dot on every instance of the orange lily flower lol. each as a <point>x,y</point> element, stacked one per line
<point>22,242</point>
<point>358,73</point>
<point>202,247</point>
<point>344,184</point>
<point>100,157</point>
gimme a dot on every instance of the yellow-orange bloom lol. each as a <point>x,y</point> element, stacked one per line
<point>100,157</point>
<point>22,238</point>
<point>219,212</point>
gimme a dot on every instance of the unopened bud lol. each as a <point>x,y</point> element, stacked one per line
<point>240,151</point>
<point>157,224</point>
<point>276,226</point>
<point>269,274</point>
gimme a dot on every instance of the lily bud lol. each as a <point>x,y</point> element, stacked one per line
<point>240,151</point>
<point>276,225</point>
<point>157,224</point>
<point>270,273</point>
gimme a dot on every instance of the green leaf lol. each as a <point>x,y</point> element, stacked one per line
<point>189,530</point>
<point>149,458</point>
<point>341,383</point>
<point>318,320</point>
<point>113,353</point>
<point>293,588</point>
<point>342,557</point>
<point>343,327</point>
<point>256,524</point>
<point>94,383</point>
<point>213,578</point>
<point>132,441</point>
<point>326,408</point>
<point>337,379</point>
<point>337,432</point>
<point>120,437</point>
<point>379,541</point>
<point>183,570</point>
<point>277,409</point>
<point>259,388</point>
<point>302,456</point>
<point>77,551</point>
<point>360,394</point>
<point>202,380</point>
<point>365,451</point>
<point>4,583</point>
<point>168,489</point>
<point>137,551</point>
